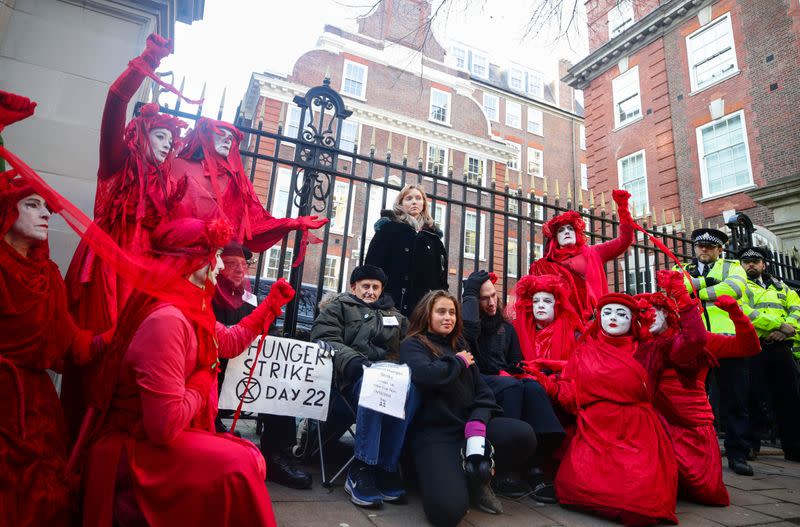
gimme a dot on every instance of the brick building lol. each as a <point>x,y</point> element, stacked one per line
<point>449,109</point>
<point>691,106</point>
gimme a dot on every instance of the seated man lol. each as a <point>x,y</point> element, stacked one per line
<point>363,327</point>
<point>495,346</point>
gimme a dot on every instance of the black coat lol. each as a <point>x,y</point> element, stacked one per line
<point>415,262</point>
<point>452,394</point>
<point>493,342</point>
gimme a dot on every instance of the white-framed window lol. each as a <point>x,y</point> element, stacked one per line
<point>627,99</point>
<point>633,178</point>
<point>349,138</point>
<point>437,160</point>
<point>516,79</point>
<point>511,256</point>
<point>292,127</point>
<point>535,162</point>
<point>513,114</point>
<point>582,137</point>
<point>283,182</point>
<point>538,210</point>
<point>471,235</point>
<point>474,170</point>
<point>712,53</point>
<point>480,65</point>
<point>354,79</point>
<point>724,155</point>
<point>331,272</point>
<point>440,216</point>
<point>440,106</point>
<point>272,262</point>
<point>535,121</point>
<point>584,177</point>
<point>535,86</point>
<point>516,161</point>
<point>459,57</point>
<point>491,105</point>
<point>538,252</point>
<point>376,204</point>
<point>513,202</point>
<point>341,190</point>
<point>620,17</point>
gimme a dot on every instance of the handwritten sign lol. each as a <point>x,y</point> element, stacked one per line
<point>291,377</point>
<point>384,388</point>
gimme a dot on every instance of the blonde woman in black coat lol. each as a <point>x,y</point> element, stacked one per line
<point>408,246</point>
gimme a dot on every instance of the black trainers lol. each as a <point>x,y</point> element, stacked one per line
<point>511,487</point>
<point>390,485</point>
<point>740,466</point>
<point>545,492</point>
<point>360,484</point>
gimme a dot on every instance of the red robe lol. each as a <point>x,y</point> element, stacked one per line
<point>37,333</point>
<point>583,268</point>
<point>683,402</point>
<point>620,464</point>
<point>148,447</point>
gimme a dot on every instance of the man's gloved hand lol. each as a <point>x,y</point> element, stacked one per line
<point>355,369</point>
<point>621,198</point>
<point>157,48</point>
<point>787,330</point>
<point>473,283</point>
<point>14,108</point>
<point>711,281</point>
<point>731,306</point>
<point>326,350</point>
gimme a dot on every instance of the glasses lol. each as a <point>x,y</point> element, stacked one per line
<point>235,263</point>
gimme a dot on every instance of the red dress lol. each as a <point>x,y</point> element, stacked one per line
<point>156,444</point>
<point>37,334</point>
<point>620,464</point>
<point>683,402</point>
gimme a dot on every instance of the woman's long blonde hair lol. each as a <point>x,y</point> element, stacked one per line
<point>425,219</point>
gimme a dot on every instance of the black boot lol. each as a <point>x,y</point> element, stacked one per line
<point>740,466</point>
<point>283,471</point>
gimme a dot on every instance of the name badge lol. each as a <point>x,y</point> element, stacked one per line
<point>250,298</point>
<point>390,321</point>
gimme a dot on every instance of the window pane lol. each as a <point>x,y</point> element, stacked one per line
<point>712,53</point>
<point>474,173</point>
<point>470,234</point>
<point>513,114</point>
<point>513,164</point>
<point>490,105</point>
<point>439,104</point>
<point>331,275</point>
<point>626,96</point>
<point>513,251</point>
<point>632,177</point>
<point>534,121</point>
<point>534,162</point>
<point>354,77</point>
<point>436,157</point>
<point>348,138</point>
<point>725,155</point>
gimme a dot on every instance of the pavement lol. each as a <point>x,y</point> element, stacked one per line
<point>771,497</point>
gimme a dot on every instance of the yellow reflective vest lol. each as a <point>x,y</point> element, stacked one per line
<point>771,305</point>
<point>732,281</point>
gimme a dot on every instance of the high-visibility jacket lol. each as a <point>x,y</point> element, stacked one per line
<point>771,305</point>
<point>732,281</point>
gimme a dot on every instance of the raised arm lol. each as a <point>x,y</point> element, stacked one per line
<point>614,248</point>
<point>744,343</point>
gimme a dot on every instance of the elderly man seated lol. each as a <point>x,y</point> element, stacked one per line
<point>364,327</point>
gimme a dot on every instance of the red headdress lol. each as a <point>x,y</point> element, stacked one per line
<point>550,231</point>
<point>661,301</point>
<point>187,244</point>
<point>555,341</point>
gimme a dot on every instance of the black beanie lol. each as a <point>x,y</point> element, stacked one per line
<point>368,272</point>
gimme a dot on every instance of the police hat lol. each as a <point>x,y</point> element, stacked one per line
<point>754,253</point>
<point>368,272</point>
<point>709,237</point>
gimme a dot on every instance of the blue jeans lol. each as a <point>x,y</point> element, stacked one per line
<point>379,437</point>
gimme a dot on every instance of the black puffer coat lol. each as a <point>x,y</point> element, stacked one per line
<point>415,262</point>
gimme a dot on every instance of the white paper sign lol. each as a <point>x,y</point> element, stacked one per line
<point>384,388</point>
<point>291,377</point>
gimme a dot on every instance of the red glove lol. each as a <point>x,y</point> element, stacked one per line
<point>672,283</point>
<point>261,318</point>
<point>14,108</point>
<point>201,381</point>
<point>307,223</point>
<point>731,306</point>
<point>157,48</point>
<point>621,198</point>
<point>549,386</point>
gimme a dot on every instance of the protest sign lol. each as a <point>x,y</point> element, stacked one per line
<point>291,377</point>
<point>384,388</point>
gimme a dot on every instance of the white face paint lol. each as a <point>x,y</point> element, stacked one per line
<point>160,143</point>
<point>615,319</point>
<point>33,219</point>
<point>544,307</point>
<point>206,272</point>
<point>566,236</point>
<point>218,267</point>
<point>660,323</point>
<point>223,139</point>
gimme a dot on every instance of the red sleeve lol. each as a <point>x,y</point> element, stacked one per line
<point>158,355</point>
<point>690,340</point>
<point>613,248</point>
<point>113,150</point>
<point>266,230</point>
<point>233,340</point>
<point>744,344</point>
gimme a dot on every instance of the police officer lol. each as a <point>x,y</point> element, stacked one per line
<point>774,310</point>
<point>712,277</point>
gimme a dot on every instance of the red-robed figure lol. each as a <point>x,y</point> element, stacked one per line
<point>582,266</point>
<point>681,396</point>
<point>217,186</point>
<point>620,463</point>
<point>155,459</point>
<point>37,334</point>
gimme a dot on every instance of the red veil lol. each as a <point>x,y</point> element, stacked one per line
<point>555,341</point>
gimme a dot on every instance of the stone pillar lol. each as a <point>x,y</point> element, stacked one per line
<point>782,196</point>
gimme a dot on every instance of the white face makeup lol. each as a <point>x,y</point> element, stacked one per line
<point>160,143</point>
<point>218,267</point>
<point>566,236</point>
<point>206,272</point>
<point>615,319</point>
<point>660,323</point>
<point>33,219</point>
<point>544,307</point>
<point>223,139</point>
